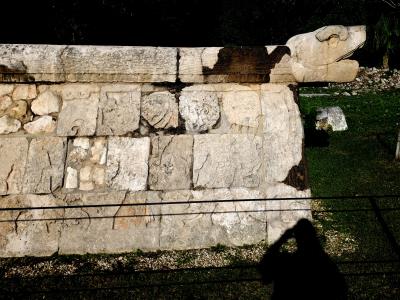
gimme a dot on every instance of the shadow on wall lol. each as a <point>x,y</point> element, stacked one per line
<point>307,273</point>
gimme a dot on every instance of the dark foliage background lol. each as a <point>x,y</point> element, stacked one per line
<point>180,22</point>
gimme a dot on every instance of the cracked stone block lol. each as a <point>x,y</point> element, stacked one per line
<point>12,164</point>
<point>227,160</point>
<point>198,106</point>
<point>27,238</point>
<point>119,109</point>
<point>45,166</point>
<point>120,232</point>
<point>86,157</point>
<point>78,117</point>
<point>282,133</point>
<point>127,163</point>
<point>160,110</point>
<point>171,162</point>
<point>24,92</point>
<point>183,228</point>
<point>278,221</point>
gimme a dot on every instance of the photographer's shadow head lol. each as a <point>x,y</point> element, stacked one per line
<point>307,272</point>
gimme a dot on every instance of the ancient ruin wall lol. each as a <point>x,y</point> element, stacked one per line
<point>89,125</point>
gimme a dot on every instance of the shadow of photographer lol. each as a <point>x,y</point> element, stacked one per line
<point>307,273</point>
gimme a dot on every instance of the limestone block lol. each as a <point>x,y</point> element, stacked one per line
<point>44,124</point>
<point>160,110</point>
<point>6,89</point>
<point>5,102</point>
<point>78,117</point>
<point>127,163</point>
<point>86,157</point>
<point>119,64</point>
<point>27,63</point>
<point>119,109</point>
<point>283,131</point>
<point>241,110</point>
<point>322,55</point>
<point>46,103</point>
<point>73,91</point>
<point>279,216</point>
<point>19,110</point>
<point>227,160</point>
<point>331,117</point>
<point>171,162</point>
<point>183,227</point>
<point>198,106</point>
<point>9,125</point>
<point>12,164</point>
<point>119,232</point>
<point>24,92</point>
<point>235,64</point>
<point>45,166</point>
<point>29,238</point>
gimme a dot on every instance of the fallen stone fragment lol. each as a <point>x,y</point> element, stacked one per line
<point>9,125</point>
<point>44,124</point>
<point>46,103</point>
<point>331,118</point>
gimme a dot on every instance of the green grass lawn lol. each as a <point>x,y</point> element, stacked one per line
<point>359,161</point>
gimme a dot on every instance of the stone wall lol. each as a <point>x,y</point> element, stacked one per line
<point>87,125</point>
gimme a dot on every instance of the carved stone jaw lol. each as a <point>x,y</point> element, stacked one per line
<point>321,55</point>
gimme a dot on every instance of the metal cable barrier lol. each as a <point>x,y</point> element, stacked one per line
<point>241,273</point>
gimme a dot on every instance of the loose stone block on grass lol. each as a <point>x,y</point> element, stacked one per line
<point>227,160</point>
<point>171,162</point>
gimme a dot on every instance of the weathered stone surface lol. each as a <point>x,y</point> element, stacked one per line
<point>118,233</point>
<point>12,164</point>
<point>235,64</point>
<point>24,92</point>
<point>241,108</point>
<point>171,162</point>
<point>282,218</point>
<point>25,63</point>
<point>19,110</point>
<point>45,166</point>
<point>5,102</point>
<point>198,106</point>
<point>283,131</point>
<point>6,89</point>
<point>87,157</point>
<point>331,117</point>
<point>322,55</point>
<point>119,109</point>
<point>78,117</point>
<point>227,160</point>
<point>29,238</point>
<point>46,103</point>
<point>221,225</point>
<point>116,63</point>
<point>44,124</point>
<point>73,91</point>
<point>127,163</point>
<point>9,125</point>
<point>71,181</point>
<point>160,110</point>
